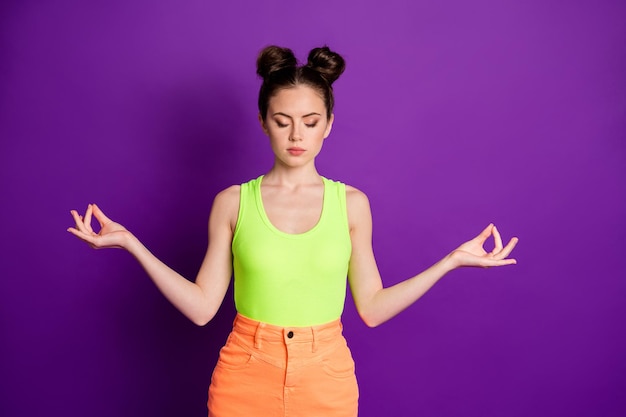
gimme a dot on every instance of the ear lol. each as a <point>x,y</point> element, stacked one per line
<point>329,126</point>
<point>263,126</point>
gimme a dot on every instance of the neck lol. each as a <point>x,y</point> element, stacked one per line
<point>280,174</point>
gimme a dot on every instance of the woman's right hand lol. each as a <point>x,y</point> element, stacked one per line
<point>111,234</point>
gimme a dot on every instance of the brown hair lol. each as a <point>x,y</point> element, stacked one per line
<point>279,69</point>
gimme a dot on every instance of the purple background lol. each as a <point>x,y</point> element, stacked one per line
<point>450,115</point>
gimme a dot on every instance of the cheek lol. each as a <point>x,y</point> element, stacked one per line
<point>319,134</point>
<point>275,133</point>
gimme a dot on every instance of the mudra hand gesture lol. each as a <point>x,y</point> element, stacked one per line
<point>111,234</point>
<point>472,253</point>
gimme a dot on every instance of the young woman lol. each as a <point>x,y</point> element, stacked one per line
<point>290,238</point>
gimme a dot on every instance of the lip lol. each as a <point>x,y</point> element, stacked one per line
<point>296,151</point>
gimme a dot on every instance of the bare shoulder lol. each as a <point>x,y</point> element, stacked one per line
<point>229,195</point>
<point>226,205</point>
<point>358,206</point>
<point>356,198</point>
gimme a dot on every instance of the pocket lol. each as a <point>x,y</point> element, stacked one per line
<point>233,356</point>
<point>339,363</point>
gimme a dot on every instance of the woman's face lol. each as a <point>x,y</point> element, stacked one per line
<point>296,124</point>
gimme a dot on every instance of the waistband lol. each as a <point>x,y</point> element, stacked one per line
<point>261,331</point>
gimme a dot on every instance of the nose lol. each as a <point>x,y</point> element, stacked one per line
<point>295,134</point>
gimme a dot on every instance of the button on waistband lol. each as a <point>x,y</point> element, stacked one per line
<point>290,334</point>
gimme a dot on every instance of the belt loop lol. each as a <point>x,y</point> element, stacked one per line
<point>257,335</point>
<point>314,344</point>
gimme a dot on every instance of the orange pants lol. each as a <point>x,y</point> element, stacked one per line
<point>266,370</point>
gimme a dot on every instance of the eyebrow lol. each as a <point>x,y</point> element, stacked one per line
<point>286,115</point>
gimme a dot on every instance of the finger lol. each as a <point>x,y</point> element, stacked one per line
<point>78,219</point>
<point>507,249</point>
<point>87,220</point>
<point>504,262</point>
<point>492,262</point>
<point>497,241</point>
<point>82,236</point>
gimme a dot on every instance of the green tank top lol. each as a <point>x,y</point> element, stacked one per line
<point>291,279</point>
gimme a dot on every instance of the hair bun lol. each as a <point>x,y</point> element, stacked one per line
<point>328,63</point>
<point>273,59</point>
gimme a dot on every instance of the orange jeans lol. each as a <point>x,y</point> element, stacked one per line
<point>266,370</point>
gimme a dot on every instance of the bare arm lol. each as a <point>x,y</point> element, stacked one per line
<point>199,300</point>
<point>377,304</point>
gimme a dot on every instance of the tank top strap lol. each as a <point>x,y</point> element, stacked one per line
<point>247,202</point>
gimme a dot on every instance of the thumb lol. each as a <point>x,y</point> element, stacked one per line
<point>484,235</point>
<point>99,214</point>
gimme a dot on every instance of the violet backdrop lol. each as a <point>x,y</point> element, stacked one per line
<point>450,115</point>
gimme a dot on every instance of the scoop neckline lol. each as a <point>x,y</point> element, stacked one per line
<point>270,225</point>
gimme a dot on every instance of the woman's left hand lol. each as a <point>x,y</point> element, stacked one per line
<point>472,253</point>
